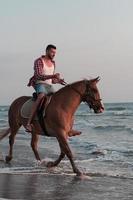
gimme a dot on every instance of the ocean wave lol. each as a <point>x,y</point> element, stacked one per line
<point>4,108</point>
<point>106,113</point>
<point>109,127</point>
<point>119,108</point>
<point>3,120</point>
<point>3,123</point>
<point>10,199</point>
<point>123,113</point>
<point>90,167</point>
<point>109,174</point>
<point>83,114</point>
<point>129,129</point>
<point>60,172</point>
<point>113,128</point>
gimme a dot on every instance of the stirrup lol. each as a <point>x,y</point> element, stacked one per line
<point>29,128</point>
<point>34,96</point>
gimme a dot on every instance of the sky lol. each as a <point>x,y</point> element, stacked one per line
<point>93,38</point>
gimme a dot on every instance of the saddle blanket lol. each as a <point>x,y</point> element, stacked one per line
<point>27,106</point>
<point>26,109</point>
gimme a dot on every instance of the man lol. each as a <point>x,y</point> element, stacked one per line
<point>44,77</point>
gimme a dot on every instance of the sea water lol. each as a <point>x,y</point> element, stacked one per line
<point>105,146</point>
<point>103,151</point>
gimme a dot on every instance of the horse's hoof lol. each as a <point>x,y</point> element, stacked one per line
<point>43,162</point>
<point>8,159</point>
<point>83,177</point>
<point>50,164</point>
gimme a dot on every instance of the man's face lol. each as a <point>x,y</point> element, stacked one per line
<point>51,53</point>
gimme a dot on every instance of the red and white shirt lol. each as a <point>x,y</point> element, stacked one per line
<point>40,70</point>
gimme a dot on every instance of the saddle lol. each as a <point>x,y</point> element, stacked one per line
<point>26,108</point>
<point>41,112</point>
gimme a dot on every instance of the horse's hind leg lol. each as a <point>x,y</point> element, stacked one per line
<point>11,142</point>
<point>34,142</point>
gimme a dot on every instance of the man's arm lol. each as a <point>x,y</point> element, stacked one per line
<point>60,81</point>
<point>38,71</point>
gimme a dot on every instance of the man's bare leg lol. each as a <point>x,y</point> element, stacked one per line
<point>74,133</point>
<point>33,112</point>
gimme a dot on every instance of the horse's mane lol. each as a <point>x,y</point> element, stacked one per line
<point>72,84</point>
<point>68,85</point>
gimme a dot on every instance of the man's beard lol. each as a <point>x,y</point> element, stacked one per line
<point>50,57</point>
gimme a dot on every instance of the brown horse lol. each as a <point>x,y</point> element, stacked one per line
<point>58,119</point>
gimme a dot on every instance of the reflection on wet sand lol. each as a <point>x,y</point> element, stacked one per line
<point>60,187</point>
<point>37,186</point>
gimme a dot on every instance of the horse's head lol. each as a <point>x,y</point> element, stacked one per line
<point>92,95</point>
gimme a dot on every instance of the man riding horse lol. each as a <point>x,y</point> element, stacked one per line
<point>58,120</point>
<point>42,80</point>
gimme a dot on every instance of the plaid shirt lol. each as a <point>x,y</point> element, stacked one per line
<point>38,71</point>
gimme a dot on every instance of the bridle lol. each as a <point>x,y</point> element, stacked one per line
<point>89,94</point>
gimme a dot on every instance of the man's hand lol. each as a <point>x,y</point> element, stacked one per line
<point>55,80</point>
<point>60,81</point>
<point>57,76</point>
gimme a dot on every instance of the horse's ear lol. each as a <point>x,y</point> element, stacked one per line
<point>97,79</point>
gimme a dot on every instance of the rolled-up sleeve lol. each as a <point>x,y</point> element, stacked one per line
<point>38,69</point>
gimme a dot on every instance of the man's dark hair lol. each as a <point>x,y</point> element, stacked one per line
<point>50,46</point>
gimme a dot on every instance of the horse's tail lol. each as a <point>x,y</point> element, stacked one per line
<point>4,133</point>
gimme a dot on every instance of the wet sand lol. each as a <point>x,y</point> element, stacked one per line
<point>16,182</point>
<point>61,187</point>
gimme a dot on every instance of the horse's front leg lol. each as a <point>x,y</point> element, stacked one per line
<point>56,162</point>
<point>66,149</point>
<point>34,146</point>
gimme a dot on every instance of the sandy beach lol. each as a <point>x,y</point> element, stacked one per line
<point>61,187</point>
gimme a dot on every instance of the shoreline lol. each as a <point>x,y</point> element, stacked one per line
<point>63,187</point>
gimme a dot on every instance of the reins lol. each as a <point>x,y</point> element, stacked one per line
<point>88,92</point>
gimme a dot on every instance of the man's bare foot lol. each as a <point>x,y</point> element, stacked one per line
<point>29,128</point>
<point>74,133</point>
